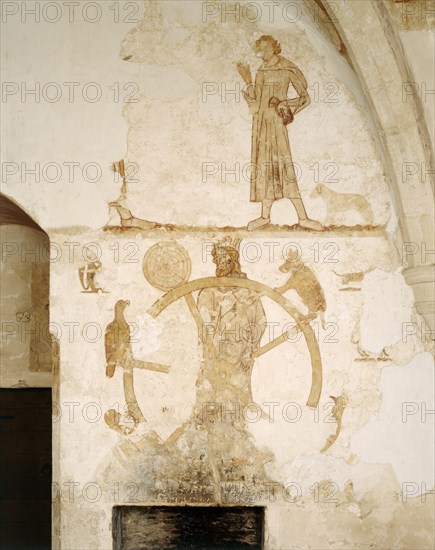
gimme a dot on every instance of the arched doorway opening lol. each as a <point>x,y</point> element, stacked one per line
<point>25,380</point>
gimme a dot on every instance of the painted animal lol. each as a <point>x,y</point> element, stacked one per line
<point>304,281</point>
<point>340,203</point>
<point>347,278</point>
<point>340,403</point>
<point>117,339</point>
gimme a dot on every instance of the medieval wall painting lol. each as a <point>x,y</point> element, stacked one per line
<point>231,321</point>
<point>262,106</point>
<point>220,363</point>
<point>239,342</point>
<point>227,301</point>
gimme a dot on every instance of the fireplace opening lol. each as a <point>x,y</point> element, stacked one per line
<point>188,527</point>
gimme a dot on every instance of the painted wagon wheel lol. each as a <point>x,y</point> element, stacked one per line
<point>167,266</point>
<point>185,291</point>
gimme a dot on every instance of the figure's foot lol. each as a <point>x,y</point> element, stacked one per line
<point>124,213</point>
<point>137,222</point>
<point>259,222</point>
<point>310,224</point>
<point>128,220</point>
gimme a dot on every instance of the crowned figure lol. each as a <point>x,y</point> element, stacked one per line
<point>234,323</point>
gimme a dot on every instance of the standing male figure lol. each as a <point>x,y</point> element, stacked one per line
<point>273,176</point>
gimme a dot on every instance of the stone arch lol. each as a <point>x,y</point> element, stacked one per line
<point>365,33</point>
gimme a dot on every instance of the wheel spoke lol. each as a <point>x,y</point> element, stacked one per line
<point>202,333</point>
<point>262,290</point>
<point>146,365</point>
<point>276,342</point>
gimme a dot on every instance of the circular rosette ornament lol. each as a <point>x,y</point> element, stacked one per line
<point>166,266</point>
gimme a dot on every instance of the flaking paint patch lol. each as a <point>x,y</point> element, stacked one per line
<point>381,327</point>
<point>403,433</point>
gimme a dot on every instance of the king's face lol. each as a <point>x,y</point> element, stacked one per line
<point>224,263</point>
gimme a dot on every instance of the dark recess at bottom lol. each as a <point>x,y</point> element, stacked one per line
<point>188,528</point>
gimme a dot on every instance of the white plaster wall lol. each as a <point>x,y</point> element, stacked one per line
<point>72,129</point>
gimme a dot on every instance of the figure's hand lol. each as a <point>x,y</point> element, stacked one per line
<point>281,110</point>
<point>285,112</point>
<point>245,72</point>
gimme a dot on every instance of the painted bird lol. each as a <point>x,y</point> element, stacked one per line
<point>117,339</point>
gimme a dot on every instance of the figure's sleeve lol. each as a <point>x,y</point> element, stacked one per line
<point>297,76</point>
<point>254,103</point>
<point>300,84</point>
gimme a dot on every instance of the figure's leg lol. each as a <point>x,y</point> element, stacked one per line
<point>304,220</point>
<point>291,190</point>
<point>266,206</point>
<point>300,208</point>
